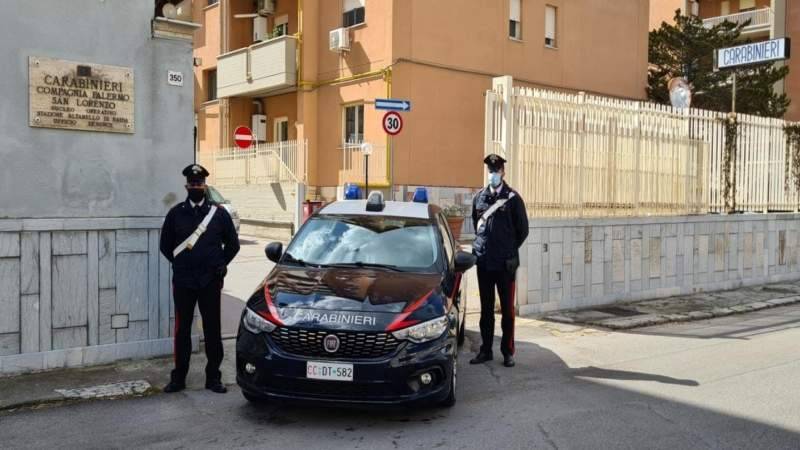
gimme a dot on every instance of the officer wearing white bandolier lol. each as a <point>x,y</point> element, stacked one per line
<point>200,240</point>
<point>501,227</point>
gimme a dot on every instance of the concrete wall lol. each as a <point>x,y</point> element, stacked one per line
<point>81,279</point>
<point>55,173</point>
<point>581,263</point>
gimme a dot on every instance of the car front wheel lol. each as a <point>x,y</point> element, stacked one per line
<point>450,400</point>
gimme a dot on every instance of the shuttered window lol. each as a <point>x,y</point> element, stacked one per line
<point>745,5</point>
<point>550,15</point>
<point>353,13</point>
<point>514,21</point>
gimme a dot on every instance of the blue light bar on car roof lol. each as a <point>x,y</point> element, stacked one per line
<point>420,195</point>
<point>352,192</point>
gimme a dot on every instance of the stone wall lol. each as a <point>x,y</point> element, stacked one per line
<point>81,292</point>
<point>579,263</point>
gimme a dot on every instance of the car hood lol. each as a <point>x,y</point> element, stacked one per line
<point>352,298</point>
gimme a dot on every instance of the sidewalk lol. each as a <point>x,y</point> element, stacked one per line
<point>625,316</point>
<point>120,380</point>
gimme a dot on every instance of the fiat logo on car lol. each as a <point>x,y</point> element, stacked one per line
<point>331,343</point>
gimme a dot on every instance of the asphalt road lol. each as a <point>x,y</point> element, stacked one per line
<point>726,383</point>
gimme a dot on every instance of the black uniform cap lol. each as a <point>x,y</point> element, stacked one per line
<point>195,172</point>
<point>494,162</point>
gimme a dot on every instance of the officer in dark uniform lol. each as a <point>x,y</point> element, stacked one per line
<point>501,226</point>
<point>200,240</point>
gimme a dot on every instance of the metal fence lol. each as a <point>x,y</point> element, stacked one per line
<point>264,163</point>
<point>354,163</point>
<point>580,155</point>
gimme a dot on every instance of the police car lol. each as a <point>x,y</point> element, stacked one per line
<point>363,306</point>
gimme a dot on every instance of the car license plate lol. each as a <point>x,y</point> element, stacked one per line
<point>329,371</point>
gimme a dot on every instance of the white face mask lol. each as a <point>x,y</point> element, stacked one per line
<point>494,179</point>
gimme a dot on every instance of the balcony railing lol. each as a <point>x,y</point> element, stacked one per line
<point>267,67</point>
<point>760,20</point>
<point>353,164</point>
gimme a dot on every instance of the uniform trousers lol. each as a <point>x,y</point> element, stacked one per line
<point>504,282</point>
<point>208,300</point>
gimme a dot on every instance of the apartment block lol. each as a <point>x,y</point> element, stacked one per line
<point>310,71</point>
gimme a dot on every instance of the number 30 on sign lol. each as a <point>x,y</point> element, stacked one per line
<point>392,123</point>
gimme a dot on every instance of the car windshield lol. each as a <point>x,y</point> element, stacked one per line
<point>215,196</point>
<point>394,243</point>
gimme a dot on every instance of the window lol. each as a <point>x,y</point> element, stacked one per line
<point>747,5</point>
<point>514,24</point>
<point>550,26</point>
<point>212,2</point>
<point>281,129</point>
<point>281,26</point>
<point>353,13</point>
<point>354,124</point>
<point>211,85</point>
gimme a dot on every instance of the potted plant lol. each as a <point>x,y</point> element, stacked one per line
<point>455,215</point>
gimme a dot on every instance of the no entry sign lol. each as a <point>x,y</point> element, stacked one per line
<point>243,137</point>
<point>392,123</point>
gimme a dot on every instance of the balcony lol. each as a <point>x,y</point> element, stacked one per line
<point>265,68</point>
<point>761,21</point>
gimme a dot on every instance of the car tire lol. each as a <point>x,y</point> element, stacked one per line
<point>254,399</point>
<point>450,400</point>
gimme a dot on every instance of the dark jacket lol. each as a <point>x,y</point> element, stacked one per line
<point>215,249</point>
<point>498,240</point>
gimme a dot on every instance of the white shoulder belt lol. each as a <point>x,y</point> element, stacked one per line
<point>192,239</point>
<point>492,209</point>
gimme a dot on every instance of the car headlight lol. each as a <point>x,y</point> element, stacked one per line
<point>424,332</point>
<point>256,324</point>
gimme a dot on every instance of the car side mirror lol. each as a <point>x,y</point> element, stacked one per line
<point>464,261</point>
<point>274,251</point>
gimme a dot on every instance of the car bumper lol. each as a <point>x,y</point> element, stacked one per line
<point>393,380</point>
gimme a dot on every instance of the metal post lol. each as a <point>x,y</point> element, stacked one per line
<point>366,176</point>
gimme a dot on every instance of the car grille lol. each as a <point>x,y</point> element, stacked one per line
<point>351,344</point>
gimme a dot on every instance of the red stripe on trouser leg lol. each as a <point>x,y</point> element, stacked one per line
<point>175,338</point>
<point>513,313</point>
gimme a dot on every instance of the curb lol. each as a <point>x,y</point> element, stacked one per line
<point>64,400</point>
<point>645,320</point>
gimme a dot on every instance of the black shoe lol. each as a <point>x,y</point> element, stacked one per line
<point>174,386</point>
<point>216,386</point>
<point>481,358</point>
<point>508,361</point>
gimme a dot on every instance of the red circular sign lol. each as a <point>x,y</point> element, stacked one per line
<point>392,123</point>
<point>243,137</point>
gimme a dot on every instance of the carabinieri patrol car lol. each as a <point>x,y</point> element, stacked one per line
<point>363,307</point>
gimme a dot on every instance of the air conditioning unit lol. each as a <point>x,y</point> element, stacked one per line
<point>259,127</point>
<point>260,29</point>
<point>339,40</point>
<point>266,7</point>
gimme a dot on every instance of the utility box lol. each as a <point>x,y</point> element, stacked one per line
<point>259,127</point>
<point>260,29</point>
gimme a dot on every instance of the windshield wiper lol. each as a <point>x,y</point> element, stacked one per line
<point>361,264</point>
<point>289,258</point>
